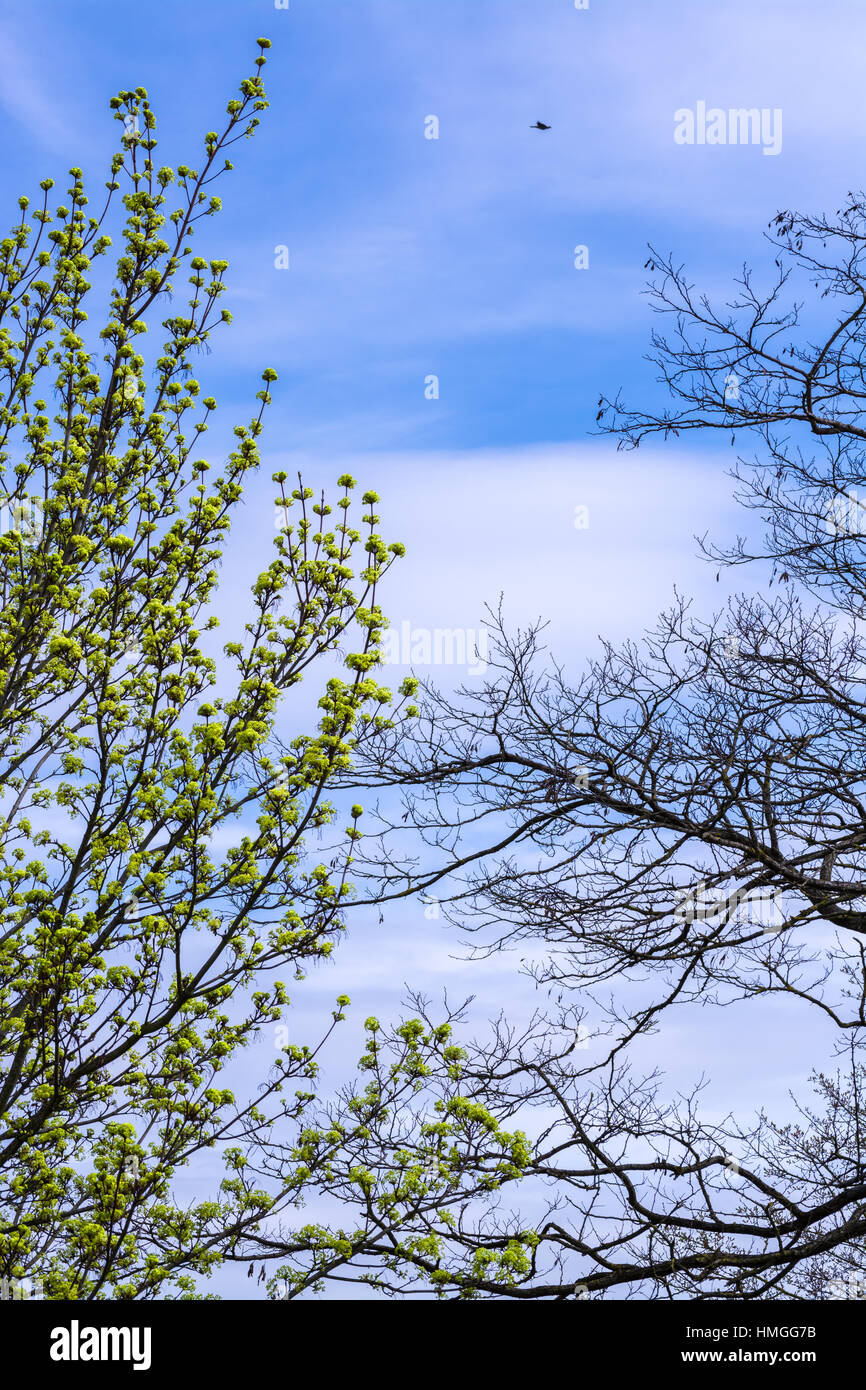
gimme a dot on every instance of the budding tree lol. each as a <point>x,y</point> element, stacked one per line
<point>155,886</point>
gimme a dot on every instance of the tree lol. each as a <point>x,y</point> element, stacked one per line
<point>685,825</point>
<point>137,956</point>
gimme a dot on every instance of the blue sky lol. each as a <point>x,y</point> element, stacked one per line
<point>454,257</point>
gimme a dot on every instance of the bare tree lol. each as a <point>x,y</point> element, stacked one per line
<point>686,824</point>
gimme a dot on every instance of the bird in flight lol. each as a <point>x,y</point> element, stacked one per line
<point>539,125</point>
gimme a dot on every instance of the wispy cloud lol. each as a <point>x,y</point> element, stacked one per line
<point>28,99</point>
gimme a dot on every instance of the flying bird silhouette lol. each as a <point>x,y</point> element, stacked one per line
<point>539,125</point>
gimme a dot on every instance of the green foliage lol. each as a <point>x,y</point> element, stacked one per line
<point>129,941</point>
<point>410,1156</point>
